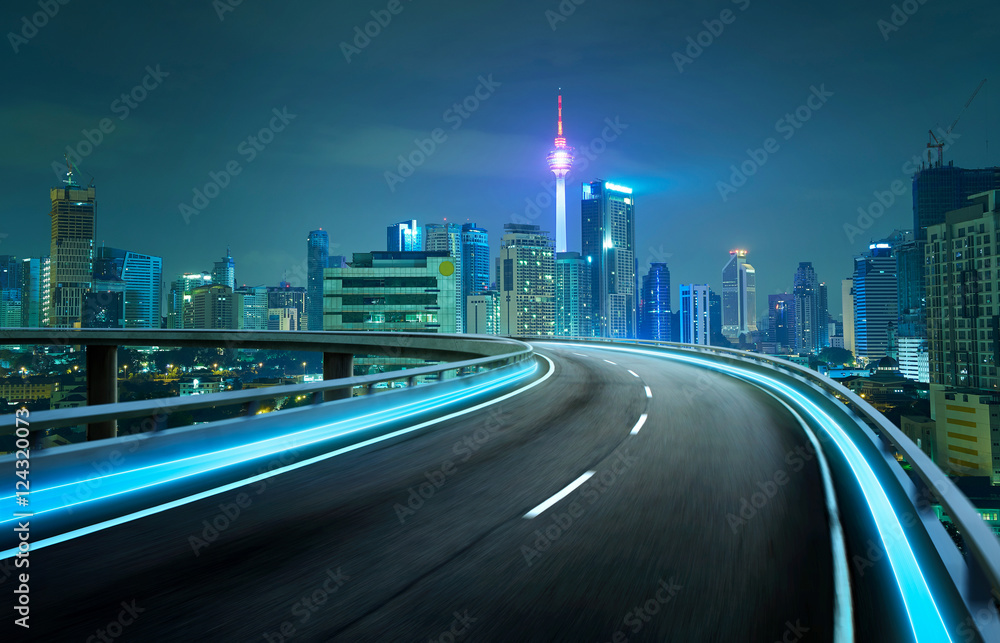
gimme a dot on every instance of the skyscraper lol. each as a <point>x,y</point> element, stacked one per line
<point>404,236</point>
<point>213,306</point>
<point>654,305</point>
<point>74,225</point>
<point>876,300</point>
<point>286,296</point>
<point>810,326</point>
<point>573,300</point>
<point>695,319</point>
<point>527,281</point>
<point>715,336</point>
<point>142,275</point>
<point>224,272</point>
<point>782,322</point>
<point>251,307</point>
<point>475,261</point>
<point>447,237</point>
<point>963,312</point>
<point>739,298</point>
<point>942,188</point>
<point>318,257</point>
<point>608,226</point>
<point>560,161</point>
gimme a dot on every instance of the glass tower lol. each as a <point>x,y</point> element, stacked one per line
<point>654,314</point>
<point>318,259</point>
<point>608,226</point>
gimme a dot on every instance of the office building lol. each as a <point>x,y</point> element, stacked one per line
<point>11,286</point>
<point>695,316</point>
<point>224,272</point>
<point>608,227</point>
<point>447,237</point>
<point>876,300</point>
<point>71,264</point>
<point>527,281</point>
<point>967,431</point>
<point>142,275</point>
<point>285,295</point>
<point>715,336</point>
<point>739,299</point>
<point>104,301</point>
<point>392,291</point>
<point>213,306</point>
<point>939,189</point>
<point>283,319</point>
<point>573,297</point>
<point>180,314</point>
<point>963,295</point>
<point>404,236</point>
<point>482,313</point>
<point>318,257</point>
<point>654,304</point>
<point>252,307</point>
<point>782,318</point>
<point>475,260</point>
<point>560,161</point>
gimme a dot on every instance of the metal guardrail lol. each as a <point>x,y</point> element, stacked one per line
<point>502,352</point>
<point>982,543</point>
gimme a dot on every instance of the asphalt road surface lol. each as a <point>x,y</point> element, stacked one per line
<point>708,524</point>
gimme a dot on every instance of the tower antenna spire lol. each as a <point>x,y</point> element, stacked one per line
<point>560,113</point>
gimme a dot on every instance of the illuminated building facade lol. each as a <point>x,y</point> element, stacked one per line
<point>560,161</point>
<point>608,227</point>
<point>74,224</point>
<point>527,281</point>
<point>739,299</point>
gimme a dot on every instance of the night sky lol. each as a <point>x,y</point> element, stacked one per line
<point>352,119</point>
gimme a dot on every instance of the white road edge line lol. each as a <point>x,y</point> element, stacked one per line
<point>610,362</point>
<point>843,608</point>
<point>83,531</point>
<point>559,496</point>
<point>633,372</point>
<point>649,393</point>
<point>580,354</point>
<point>638,425</point>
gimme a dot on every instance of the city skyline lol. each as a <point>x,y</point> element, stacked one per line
<point>170,141</point>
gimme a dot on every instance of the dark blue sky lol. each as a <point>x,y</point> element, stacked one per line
<point>352,119</point>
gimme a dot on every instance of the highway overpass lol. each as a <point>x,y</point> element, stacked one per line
<point>542,491</point>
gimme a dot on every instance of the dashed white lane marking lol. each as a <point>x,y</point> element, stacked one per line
<point>649,393</point>
<point>633,372</point>
<point>559,496</point>
<point>610,362</point>
<point>638,425</point>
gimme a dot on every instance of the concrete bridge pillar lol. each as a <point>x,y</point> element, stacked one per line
<point>102,387</point>
<point>337,366</point>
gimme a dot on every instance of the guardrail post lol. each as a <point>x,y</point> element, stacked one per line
<point>102,387</point>
<point>335,367</point>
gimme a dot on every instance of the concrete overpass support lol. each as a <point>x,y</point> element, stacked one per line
<point>102,387</point>
<point>337,366</point>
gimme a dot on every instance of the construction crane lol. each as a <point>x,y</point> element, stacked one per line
<point>934,142</point>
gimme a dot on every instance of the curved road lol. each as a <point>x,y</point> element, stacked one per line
<point>707,524</point>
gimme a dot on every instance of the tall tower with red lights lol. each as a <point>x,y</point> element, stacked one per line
<point>560,161</point>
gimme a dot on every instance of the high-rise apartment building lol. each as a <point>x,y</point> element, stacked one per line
<point>224,271</point>
<point>739,298</point>
<point>654,304</point>
<point>71,264</point>
<point>213,306</point>
<point>318,257</point>
<point>876,300</point>
<point>608,227</point>
<point>573,298</point>
<point>847,310</point>
<point>404,236</point>
<point>527,281</point>
<point>962,273</point>
<point>695,316</point>
<point>447,237</point>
